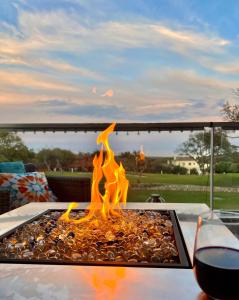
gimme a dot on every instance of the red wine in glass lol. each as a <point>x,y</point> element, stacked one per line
<point>217,271</point>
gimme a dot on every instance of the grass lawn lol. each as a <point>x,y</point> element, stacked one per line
<point>223,180</point>
<point>223,200</point>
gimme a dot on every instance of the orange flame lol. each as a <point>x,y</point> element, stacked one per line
<point>141,154</point>
<point>116,184</point>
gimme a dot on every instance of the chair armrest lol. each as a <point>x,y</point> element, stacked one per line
<point>70,188</point>
<point>4,201</point>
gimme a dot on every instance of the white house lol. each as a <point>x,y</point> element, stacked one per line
<point>186,162</point>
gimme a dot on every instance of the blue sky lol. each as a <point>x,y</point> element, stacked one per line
<point>99,61</point>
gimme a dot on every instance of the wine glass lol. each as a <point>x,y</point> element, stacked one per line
<point>216,254</point>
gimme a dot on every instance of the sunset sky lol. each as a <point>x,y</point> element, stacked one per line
<point>103,61</point>
<point>88,60</point>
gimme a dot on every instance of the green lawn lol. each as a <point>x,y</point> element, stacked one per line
<point>225,200</point>
<point>222,200</point>
<point>223,180</point>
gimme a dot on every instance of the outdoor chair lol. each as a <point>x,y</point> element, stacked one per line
<point>65,188</point>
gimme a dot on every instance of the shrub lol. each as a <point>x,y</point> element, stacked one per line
<point>194,171</point>
<point>223,167</point>
<point>179,170</point>
<point>234,168</point>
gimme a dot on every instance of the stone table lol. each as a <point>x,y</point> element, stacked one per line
<point>46,282</point>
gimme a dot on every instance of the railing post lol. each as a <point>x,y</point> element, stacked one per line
<point>212,168</point>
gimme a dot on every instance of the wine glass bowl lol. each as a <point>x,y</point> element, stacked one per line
<point>216,254</point>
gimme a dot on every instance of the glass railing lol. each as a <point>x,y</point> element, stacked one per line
<point>182,162</point>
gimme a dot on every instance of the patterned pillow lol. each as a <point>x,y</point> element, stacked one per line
<point>25,188</point>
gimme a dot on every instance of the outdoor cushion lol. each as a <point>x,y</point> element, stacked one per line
<point>12,167</point>
<point>25,188</point>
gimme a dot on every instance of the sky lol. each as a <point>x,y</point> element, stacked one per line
<point>124,61</point>
<point>98,61</point>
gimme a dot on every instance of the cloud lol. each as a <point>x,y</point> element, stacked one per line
<point>151,98</point>
<point>54,58</point>
<point>31,81</point>
<point>231,68</point>
<point>53,110</point>
<point>198,110</point>
<point>42,63</point>
<point>186,84</point>
<point>189,39</point>
<point>163,105</point>
<point>61,107</point>
<point>108,93</point>
<point>54,103</point>
<point>225,63</point>
<point>66,67</point>
<point>49,31</point>
<point>42,33</point>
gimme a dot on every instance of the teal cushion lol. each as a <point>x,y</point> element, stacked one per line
<point>12,167</point>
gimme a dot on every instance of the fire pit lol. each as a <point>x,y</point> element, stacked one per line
<point>104,234</point>
<point>148,238</point>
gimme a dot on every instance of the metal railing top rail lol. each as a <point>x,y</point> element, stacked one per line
<point>172,126</point>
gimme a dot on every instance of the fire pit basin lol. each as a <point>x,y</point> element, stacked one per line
<point>140,238</point>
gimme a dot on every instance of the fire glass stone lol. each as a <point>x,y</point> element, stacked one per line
<point>137,236</point>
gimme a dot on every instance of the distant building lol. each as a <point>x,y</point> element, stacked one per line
<point>186,162</point>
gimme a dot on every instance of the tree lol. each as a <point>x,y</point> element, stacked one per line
<point>198,147</point>
<point>128,160</point>
<point>55,158</point>
<point>230,112</point>
<point>12,148</point>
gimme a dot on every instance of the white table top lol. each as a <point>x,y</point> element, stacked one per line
<point>48,282</point>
